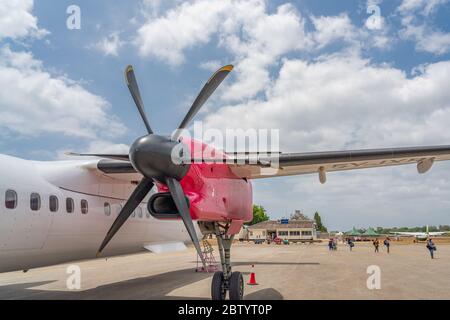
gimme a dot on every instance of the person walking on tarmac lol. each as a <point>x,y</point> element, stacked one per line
<point>431,247</point>
<point>376,244</point>
<point>330,245</point>
<point>387,243</point>
<point>351,244</point>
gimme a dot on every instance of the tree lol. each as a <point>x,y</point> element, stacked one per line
<point>318,220</point>
<point>259,214</point>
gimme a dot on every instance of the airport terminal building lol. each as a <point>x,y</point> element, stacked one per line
<point>292,230</point>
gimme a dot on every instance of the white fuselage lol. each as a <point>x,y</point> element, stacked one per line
<point>34,238</point>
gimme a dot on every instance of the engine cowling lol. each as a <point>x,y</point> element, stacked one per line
<point>162,206</point>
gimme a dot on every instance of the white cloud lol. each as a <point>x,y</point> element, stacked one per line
<point>425,7</point>
<point>255,38</point>
<point>102,146</point>
<point>109,45</point>
<point>211,65</point>
<point>416,26</point>
<point>33,101</point>
<point>333,28</point>
<point>342,102</point>
<point>426,39</point>
<point>340,29</point>
<point>17,21</point>
<point>180,28</point>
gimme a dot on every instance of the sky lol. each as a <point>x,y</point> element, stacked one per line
<point>329,75</point>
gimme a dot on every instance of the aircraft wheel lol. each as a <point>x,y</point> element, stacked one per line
<point>218,291</point>
<point>236,286</point>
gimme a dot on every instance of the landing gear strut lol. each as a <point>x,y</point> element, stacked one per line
<point>224,280</point>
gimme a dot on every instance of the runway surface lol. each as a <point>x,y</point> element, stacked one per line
<point>282,271</point>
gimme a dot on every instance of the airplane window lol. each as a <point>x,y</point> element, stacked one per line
<point>134,214</point>
<point>10,199</point>
<point>69,205</point>
<point>53,203</point>
<point>119,208</point>
<point>35,201</point>
<point>147,214</point>
<point>107,207</point>
<point>84,206</point>
<point>139,212</point>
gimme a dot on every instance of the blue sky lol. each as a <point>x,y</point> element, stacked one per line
<point>174,47</point>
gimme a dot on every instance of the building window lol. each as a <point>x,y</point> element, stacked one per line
<point>294,233</point>
<point>35,201</point>
<point>282,233</point>
<point>69,205</point>
<point>107,208</point>
<point>251,233</point>
<point>139,212</point>
<point>53,203</point>
<point>306,233</point>
<point>84,206</point>
<point>10,199</point>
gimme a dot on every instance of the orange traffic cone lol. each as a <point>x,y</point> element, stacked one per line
<point>252,281</point>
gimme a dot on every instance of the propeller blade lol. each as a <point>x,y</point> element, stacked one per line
<point>180,201</point>
<point>124,157</point>
<point>134,90</point>
<point>211,85</point>
<point>135,199</point>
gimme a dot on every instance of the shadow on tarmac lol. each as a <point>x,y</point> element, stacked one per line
<point>145,288</point>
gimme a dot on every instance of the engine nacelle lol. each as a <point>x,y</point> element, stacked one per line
<point>162,206</point>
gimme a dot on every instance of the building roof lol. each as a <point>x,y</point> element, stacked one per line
<point>353,232</point>
<point>271,224</point>
<point>371,233</point>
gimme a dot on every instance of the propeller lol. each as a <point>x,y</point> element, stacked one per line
<point>151,155</point>
<point>135,199</point>
<point>134,90</point>
<point>211,85</point>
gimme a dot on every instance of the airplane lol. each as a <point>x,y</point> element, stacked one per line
<point>59,211</point>
<point>420,236</point>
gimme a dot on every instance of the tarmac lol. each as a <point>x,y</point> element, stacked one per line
<point>295,271</point>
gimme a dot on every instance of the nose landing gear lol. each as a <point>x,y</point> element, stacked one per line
<point>224,280</point>
<point>234,286</point>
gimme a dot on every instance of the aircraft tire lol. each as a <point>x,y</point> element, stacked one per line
<point>218,292</point>
<point>236,286</point>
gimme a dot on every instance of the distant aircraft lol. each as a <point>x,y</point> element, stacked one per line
<point>57,211</point>
<point>420,235</point>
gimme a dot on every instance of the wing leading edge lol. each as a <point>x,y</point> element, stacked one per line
<point>286,164</point>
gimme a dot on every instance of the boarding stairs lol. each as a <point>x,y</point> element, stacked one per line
<point>208,256</point>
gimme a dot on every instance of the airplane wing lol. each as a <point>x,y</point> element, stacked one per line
<point>420,234</point>
<point>412,234</point>
<point>437,233</point>
<point>255,166</point>
<point>258,165</point>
